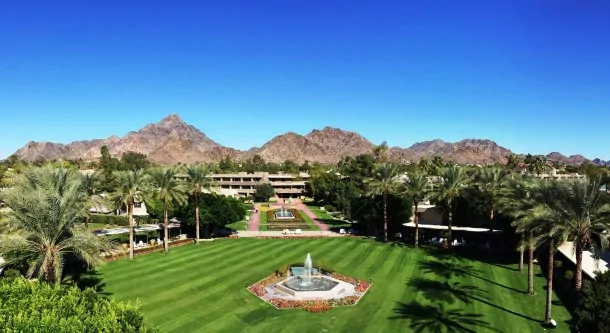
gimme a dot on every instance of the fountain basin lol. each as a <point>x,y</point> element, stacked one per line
<point>317,287</point>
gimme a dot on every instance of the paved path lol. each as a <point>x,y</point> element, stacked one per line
<point>303,207</point>
<point>255,219</point>
<point>279,233</point>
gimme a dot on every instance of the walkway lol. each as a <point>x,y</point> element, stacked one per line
<point>251,233</point>
<point>303,207</point>
<point>255,219</point>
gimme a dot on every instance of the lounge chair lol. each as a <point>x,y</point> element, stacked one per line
<point>342,231</point>
<point>298,232</point>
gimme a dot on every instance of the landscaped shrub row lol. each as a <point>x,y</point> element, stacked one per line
<point>283,226</point>
<point>147,250</point>
<point>271,216</point>
<point>291,237</point>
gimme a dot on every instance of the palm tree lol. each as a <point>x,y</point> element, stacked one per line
<point>491,182</point>
<point>198,180</point>
<point>383,183</point>
<point>132,187</point>
<point>167,188</point>
<point>513,161</point>
<point>90,185</point>
<point>581,214</point>
<point>381,152</point>
<point>417,188</point>
<point>47,205</point>
<point>452,182</point>
<point>517,201</point>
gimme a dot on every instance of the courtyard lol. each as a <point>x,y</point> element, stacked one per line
<point>202,288</point>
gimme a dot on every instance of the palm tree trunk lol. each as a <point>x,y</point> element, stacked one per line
<point>130,217</point>
<point>196,217</point>
<point>449,226</point>
<point>549,283</point>
<point>521,252</point>
<point>530,265</point>
<point>385,217</point>
<point>578,275</point>
<point>416,218</point>
<point>165,226</point>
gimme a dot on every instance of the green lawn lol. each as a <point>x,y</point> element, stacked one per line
<point>201,288</point>
<point>327,218</point>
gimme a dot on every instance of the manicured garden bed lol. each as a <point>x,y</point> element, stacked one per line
<point>272,219</point>
<point>202,289</point>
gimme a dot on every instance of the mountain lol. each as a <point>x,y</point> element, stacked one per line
<point>468,151</point>
<point>167,142</point>
<point>172,140</point>
<point>599,162</point>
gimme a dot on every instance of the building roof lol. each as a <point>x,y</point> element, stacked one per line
<point>590,265</point>
<point>444,227</point>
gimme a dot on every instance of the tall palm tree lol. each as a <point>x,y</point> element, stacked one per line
<point>416,187</point>
<point>582,215</point>
<point>517,201</point>
<point>491,181</point>
<point>451,183</point>
<point>46,205</point>
<point>90,183</point>
<point>384,182</point>
<point>198,180</point>
<point>167,188</point>
<point>132,187</point>
<point>381,152</point>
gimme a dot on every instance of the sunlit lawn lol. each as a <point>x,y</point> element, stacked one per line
<point>201,288</point>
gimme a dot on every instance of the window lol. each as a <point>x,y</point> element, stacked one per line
<point>137,205</point>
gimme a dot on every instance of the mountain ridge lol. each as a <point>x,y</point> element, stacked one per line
<point>171,140</point>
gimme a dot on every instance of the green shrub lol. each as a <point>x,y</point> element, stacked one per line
<point>558,264</point>
<point>11,273</point>
<point>40,307</point>
<point>329,208</point>
<point>109,219</point>
<point>568,275</point>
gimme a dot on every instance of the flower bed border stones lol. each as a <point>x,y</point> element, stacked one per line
<point>292,237</point>
<point>314,306</point>
<point>147,250</point>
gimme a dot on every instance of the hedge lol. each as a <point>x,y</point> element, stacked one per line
<point>119,220</point>
<point>41,307</point>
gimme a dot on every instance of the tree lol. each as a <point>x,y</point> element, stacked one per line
<point>424,165</point>
<point>383,183</point>
<point>198,180</point>
<point>491,181</point>
<point>46,205</point>
<point>417,188</point>
<point>215,210</point>
<point>517,201</point>
<point>581,214</point>
<point>453,180</point>
<point>593,309</point>
<point>264,191</point>
<point>167,188</point>
<point>381,152</point>
<point>90,184</point>
<point>132,187</point>
<point>134,161</point>
<point>513,161</point>
<point>41,307</point>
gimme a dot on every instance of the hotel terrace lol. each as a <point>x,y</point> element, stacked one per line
<point>285,185</point>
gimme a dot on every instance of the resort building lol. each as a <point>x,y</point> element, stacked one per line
<point>553,175</point>
<point>285,185</point>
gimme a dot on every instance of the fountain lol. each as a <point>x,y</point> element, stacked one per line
<point>283,214</point>
<point>307,283</point>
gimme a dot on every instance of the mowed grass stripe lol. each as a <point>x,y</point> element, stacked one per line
<point>390,291</point>
<point>219,306</point>
<point>141,265</point>
<point>182,314</point>
<point>193,278</point>
<point>175,272</point>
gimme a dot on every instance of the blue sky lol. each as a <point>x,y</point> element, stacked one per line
<point>531,75</point>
